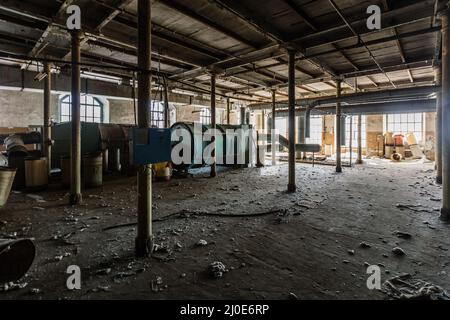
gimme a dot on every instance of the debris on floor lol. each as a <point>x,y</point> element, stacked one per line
<point>217,269</point>
<point>405,287</point>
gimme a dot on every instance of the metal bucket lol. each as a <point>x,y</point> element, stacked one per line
<point>65,171</point>
<point>93,170</point>
<point>36,173</point>
<point>15,146</point>
<point>16,258</point>
<point>6,181</point>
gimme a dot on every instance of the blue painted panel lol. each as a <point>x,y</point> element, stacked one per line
<point>150,146</point>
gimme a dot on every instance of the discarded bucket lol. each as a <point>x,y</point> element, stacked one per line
<point>93,170</point>
<point>16,258</point>
<point>6,181</point>
<point>36,173</point>
<point>389,138</point>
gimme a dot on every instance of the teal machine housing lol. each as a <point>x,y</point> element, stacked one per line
<point>91,141</point>
<point>150,146</point>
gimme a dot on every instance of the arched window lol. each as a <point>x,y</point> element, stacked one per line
<point>91,109</point>
<point>205,116</point>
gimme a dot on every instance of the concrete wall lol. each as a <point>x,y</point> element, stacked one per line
<point>19,109</point>
<point>121,111</point>
<point>25,108</point>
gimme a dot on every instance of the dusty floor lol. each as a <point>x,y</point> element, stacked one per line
<point>303,250</point>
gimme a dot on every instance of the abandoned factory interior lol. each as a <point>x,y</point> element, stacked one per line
<point>224,150</point>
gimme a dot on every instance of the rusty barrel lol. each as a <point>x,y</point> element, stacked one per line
<point>16,258</point>
<point>93,170</point>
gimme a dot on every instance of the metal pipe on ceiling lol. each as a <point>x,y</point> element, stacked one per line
<point>387,95</point>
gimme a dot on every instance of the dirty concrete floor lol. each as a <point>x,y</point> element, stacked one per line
<point>303,248</point>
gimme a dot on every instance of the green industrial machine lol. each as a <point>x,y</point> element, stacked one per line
<point>110,139</point>
<point>61,135</point>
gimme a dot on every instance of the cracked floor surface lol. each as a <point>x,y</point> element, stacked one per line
<point>308,243</point>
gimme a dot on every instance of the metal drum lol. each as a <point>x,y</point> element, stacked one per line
<point>6,181</point>
<point>15,146</point>
<point>36,173</point>
<point>93,170</point>
<point>16,258</point>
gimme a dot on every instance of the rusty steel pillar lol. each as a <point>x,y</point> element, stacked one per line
<point>338,126</point>
<point>291,184</point>
<point>144,239</point>
<point>47,130</point>
<point>273,135</point>
<point>75,154</point>
<point>445,19</point>
<point>359,160</point>
<point>213,124</point>
<point>438,155</point>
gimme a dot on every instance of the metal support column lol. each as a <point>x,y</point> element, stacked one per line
<point>273,136</point>
<point>75,154</point>
<point>213,124</point>
<point>338,126</point>
<point>243,115</point>
<point>350,147</point>
<point>291,184</point>
<point>445,18</point>
<point>166,105</point>
<point>228,110</point>
<point>438,155</point>
<point>359,161</point>
<point>47,133</point>
<point>144,239</point>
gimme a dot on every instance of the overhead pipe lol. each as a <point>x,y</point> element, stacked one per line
<point>420,105</point>
<point>360,97</point>
<point>308,122</point>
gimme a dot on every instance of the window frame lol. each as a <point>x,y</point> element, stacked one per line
<point>157,114</point>
<point>205,114</point>
<point>316,130</point>
<point>85,101</point>
<point>355,131</point>
<point>401,123</point>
